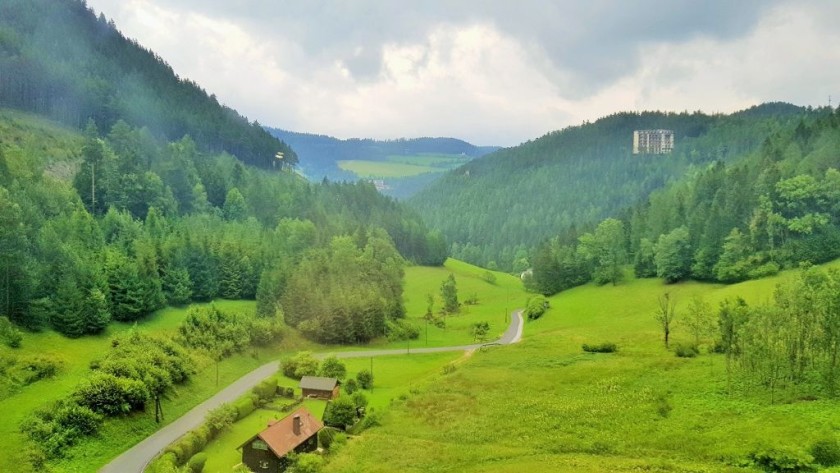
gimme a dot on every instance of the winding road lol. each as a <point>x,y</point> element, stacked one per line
<point>137,457</point>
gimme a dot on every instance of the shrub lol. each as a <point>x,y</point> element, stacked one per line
<point>401,330</point>
<point>350,386</point>
<point>196,463</point>
<point>220,418</point>
<point>365,379</point>
<point>536,307</point>
<point>38,367</point>
<point>783,460</point>
<point>300,365</point>
<point>332,367</point>
<point>826,451</point>
<point>9,334</point>
<point>767,269</point>
<point>686,350</point>
<point>264,331</point>
<point>325,437</point>
<point>244,407</point>
<point>107,394</point>
<point>488,277</point>
<point>265,390</point>
<point>307,463</point>
<point>60,426</point>
<point>449,368</point>
<point>605,347</point>
<point>359,400</point>
<point>340,413</point>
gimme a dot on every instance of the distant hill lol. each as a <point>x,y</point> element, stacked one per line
<point>495,209</point>
<point>321,156</point>
<point>59,60</point>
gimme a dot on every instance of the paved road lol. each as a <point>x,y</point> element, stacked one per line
<point>136,458</point>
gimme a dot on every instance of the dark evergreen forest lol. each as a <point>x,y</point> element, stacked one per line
<point>59,60</point>
<point>497,209</point>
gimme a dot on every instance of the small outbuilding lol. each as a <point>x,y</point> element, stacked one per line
<point>267,451</point>
<point>319,388</point>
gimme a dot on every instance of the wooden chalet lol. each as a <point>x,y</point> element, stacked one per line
<point>319,388</point>
<point>266,451</point>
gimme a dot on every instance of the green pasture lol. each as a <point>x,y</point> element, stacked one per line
<point>394,377</point>
<point>396,166</point>
<point>545,405</point>
<point>117,435</point>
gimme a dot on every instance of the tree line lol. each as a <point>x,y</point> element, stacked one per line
<point>776,208</point>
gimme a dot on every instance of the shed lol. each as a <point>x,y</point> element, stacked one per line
<point>267,451</point>
<point>319,388</point>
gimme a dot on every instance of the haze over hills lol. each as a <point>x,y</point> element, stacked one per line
<point>494,210</point>
<point>322,157</point>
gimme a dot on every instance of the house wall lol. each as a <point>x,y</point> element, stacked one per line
<point>318,394</point>
<point>253,458</point>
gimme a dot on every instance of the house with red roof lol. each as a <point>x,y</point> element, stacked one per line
<point>267,451</point>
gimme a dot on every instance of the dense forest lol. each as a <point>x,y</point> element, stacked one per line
<point>142,225</point>
<point>776,208</point>
<point>59,60</point>
<point>496,209</point>
<point>319,153</point>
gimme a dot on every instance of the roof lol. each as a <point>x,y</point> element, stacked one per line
<point>318,383</point>
<point>280,436</point>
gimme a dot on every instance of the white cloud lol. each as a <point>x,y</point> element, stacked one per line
<point>492,75</point>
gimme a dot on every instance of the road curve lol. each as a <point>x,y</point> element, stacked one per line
<point>137,457</point>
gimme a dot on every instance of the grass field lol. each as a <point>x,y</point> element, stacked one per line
<point>544,405</point>
<point>395,376</point>
<point>117,434</point>
<point>397,166</point>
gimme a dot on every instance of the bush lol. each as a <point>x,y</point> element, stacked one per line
<point>365,379</point>
<point>265,390</point>
<point>38,367</point>
<point>768,269</point>
<point>244,407</point>
<point>686,350</point>
<point>300,365</point>
<point>325,437</point>
<point>55,429</point>
<point>449,368</point>
<point>600,348</point>
<point>107,394</point>
<point>340,413</point>
<point>306,463</point>
<point>401,330</point>
<point>826,451</point>
<point>784,460</point>
<point>359,400</point>
<point>332,367</point>
<point>196,463</point>
<point>9,334</point>
<point>264,331</point>
<point>350,386</point>
<point>220,418</point>
<point>536,307</point>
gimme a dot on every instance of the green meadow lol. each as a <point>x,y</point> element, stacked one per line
<point>545,405</point>
<point>396,166</point>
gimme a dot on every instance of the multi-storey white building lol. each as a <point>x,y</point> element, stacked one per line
<point>653,141</point>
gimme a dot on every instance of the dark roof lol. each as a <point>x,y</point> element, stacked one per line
<point>318,383</point>
<point>280,436</point>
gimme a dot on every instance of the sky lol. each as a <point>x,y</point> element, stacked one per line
<point>492,72</point>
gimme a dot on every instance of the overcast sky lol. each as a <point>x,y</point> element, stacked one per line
<point>491,72</point>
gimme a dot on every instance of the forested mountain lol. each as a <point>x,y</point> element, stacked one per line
<point>320,156</point>
<point>59,60</point>
<point>778,207</point>
<point>496,209</point>
<point>121,225</point>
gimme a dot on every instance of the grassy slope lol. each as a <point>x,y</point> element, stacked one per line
<point>116,435</point>
<point>397,166</point>
<point>543,405</point>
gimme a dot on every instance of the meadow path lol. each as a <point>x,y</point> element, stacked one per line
<point>137,457</point>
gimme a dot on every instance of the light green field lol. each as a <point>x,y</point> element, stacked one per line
<point>117,435</point>
<point>396,166</point>
<point>544,405</point>
<point>382,169</point>
<point>394,376</point>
